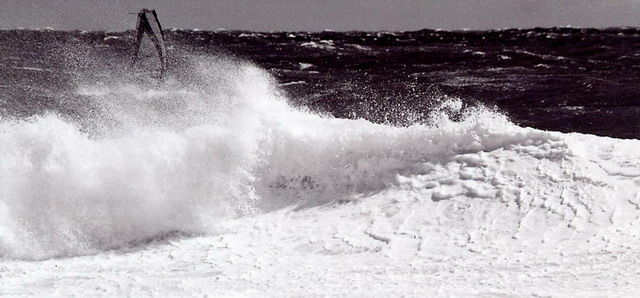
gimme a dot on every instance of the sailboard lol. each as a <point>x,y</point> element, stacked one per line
<point>149,25</point>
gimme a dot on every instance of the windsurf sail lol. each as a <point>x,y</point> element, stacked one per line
<point>148,24</point>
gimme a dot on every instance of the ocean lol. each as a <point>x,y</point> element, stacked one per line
<point>421,163</point>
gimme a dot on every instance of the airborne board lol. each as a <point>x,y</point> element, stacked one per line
<point>148,24</point>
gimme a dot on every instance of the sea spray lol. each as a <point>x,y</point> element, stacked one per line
<point>73,188</point>
<point>215,141</point>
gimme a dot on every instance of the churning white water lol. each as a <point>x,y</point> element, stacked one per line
<point>211,183</point>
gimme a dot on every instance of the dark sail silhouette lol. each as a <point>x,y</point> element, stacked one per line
<point>148,24</point>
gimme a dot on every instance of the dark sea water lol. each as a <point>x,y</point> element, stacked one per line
<point>561,79</point>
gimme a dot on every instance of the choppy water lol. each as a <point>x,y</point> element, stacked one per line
<point>561,79</point>
<point>96,155</point>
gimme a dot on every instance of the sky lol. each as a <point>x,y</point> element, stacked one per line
<point>317,15</point>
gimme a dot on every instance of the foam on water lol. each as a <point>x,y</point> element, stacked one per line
<point>219,141</point>
<point>135,170</point>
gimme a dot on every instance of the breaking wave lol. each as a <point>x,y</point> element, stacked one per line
<point>219,141</point>
<point>149,161</point>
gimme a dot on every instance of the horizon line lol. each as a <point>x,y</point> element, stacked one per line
<point>51,29</point>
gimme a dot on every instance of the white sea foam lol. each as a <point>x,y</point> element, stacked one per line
<point>154,171</point>
<point>323,44</point>
<point>219,141</point>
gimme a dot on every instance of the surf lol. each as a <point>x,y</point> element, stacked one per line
<point>220,143</point>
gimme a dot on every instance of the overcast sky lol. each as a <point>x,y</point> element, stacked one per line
<point>316,15</point>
